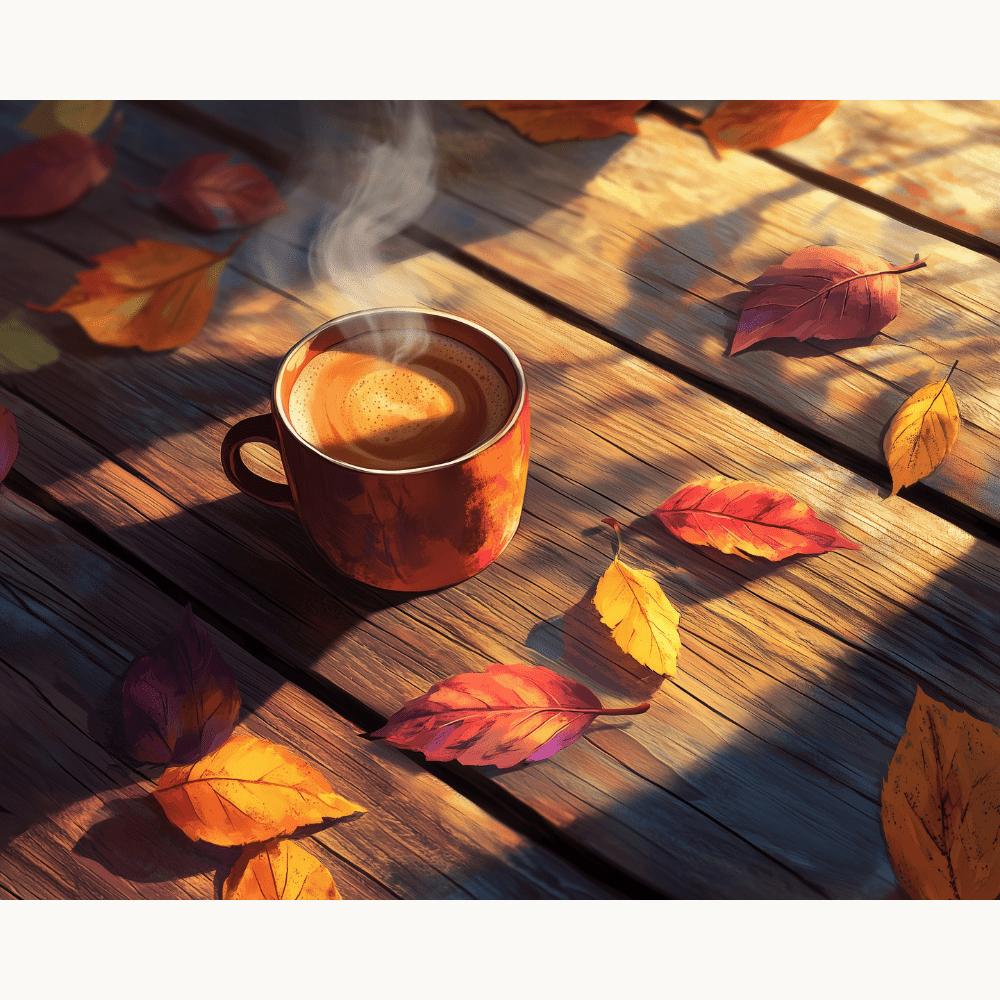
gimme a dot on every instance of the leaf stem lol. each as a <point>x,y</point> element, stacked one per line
<point>618,534</point>
<point>902,269</point>
<point>953,367</point>
<point>631,710</point>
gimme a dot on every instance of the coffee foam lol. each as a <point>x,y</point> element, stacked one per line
<point>356,407</point>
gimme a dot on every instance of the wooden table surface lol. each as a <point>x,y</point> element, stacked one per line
<point>616,270</point>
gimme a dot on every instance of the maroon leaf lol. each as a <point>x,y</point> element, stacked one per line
<point>211,193</point>
<point>8,442</point>
<point>50,174</point>
<point>823,292</point>
<point>506,715</point>
<point>180,700</point>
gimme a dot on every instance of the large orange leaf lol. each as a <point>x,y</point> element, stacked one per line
<point>279,869</point>
<point>506,715</point>
<point>49,174</point>
<point>922,432</point>
<point>762,124</point>
<point>154,295</point>
<point>742,517</point>
<point>643,622</point>
<point>829,293</point>
<point>551,121</point>
<point>212,193</point>
<point>247,791</point>
<point>941,805</point>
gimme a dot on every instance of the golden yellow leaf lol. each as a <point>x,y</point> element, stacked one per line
<point>921,434</point>
<point>941,805</point>
<point>279,869</point>
<point>154,295</point>
<point>643,622</point>
<point>49,117</point>
<point>247,791</point>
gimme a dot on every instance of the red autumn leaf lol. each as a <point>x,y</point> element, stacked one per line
<point>50,174</point>
<point>504,716</point>
<point>212,193</point>
<point>154,295</point>
<point>742,517</point>
<point>8,441</point>
<point>180,700</point>
<point>824,292</point>
<point>551,121</point>
<point>751,125</point>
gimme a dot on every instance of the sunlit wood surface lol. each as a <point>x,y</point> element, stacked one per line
<point>616,270</point>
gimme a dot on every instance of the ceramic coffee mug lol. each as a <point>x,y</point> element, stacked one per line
<point>412,529</point>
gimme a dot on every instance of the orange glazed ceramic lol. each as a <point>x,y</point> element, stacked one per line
<point>414,529</point>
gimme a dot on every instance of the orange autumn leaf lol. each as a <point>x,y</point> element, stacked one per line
<point>247,791</point>
<point>279,869</point>
<point>743,517</point>
<point>642,621</point>
<point>154,295</point>
<point>751,125</point>
<point>552,121</point>
<point>941,805</point>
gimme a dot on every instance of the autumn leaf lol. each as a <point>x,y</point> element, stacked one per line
<point>154,295</point>
<point>824,292</point>
<point>923,431</point>
<point>506,715</point>
<point>551,121</point>
<point>941,805</point>
<point>279,869</point>
<point>9,443</point>
<point>212,193</point>
<point>180,701</point>
<point>752,125</point>
<point>50,117</point>
<point>247,791</point>
<point>50,174</point>
<point>643,622</point>
<point>742,517</point>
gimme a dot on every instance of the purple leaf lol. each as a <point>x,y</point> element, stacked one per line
<point>180,700</point>
<point>8,442</point>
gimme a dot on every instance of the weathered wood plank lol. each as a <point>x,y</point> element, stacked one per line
<point>78,821</point>
<point>653,239</point>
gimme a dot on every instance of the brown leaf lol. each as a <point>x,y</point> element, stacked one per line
<point>154,295</point>
<point>49,174</point>
<point>824,292</point>
<point>744,517</point>
<point>752,125</point>
<point>551,121</point>
<point>51,117</point>
<point>8,441</point>
<point>506,715</point>
<point>279,869</point>
<point>247,791</point>
<point>212,193</point>
<point>941,805</point>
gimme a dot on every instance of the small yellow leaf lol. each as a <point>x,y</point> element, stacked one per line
<point>643,622</point>
<point>247,791</point>
<point>49,117</point>
<point>921,434</point>
<point>279,869</point>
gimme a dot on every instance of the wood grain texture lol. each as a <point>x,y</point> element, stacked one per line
<point>655,240</point>
<point>78,819</point>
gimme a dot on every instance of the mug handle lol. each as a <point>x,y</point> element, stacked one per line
<point>263,429</point>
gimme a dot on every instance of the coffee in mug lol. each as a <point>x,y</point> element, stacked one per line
<point>398,399</point>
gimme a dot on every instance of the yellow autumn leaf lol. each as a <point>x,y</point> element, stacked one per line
<point>643,622</point>
<point>279,869</point>
<point>49,117</point>
<point>246,792</point>
<point>921,434</point>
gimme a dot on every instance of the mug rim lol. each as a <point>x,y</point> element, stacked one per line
<point>515,412</point>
